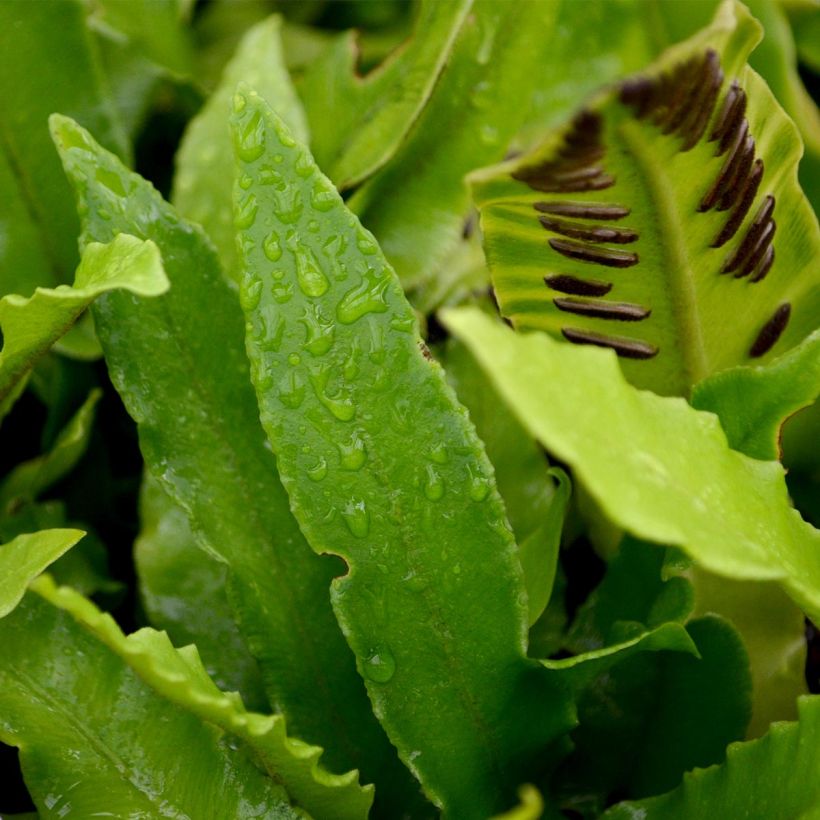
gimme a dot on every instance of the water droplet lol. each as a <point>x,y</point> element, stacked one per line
<point>282,292</point>
<point>403,324</point>
<point>357,518</point>
<point>245,182</point>
<point>380,665</point>
<point>250,292</point>
<point>481,95</point>
<point>489,134</point>
<point>313,226</point>
<point>303,165</point>
<point>438,453</point>
<point>479,486</point>
<point>239,103</point>
<point>415,582</point>
<point>271,332</point>
<point>291,390</point>
<point>249,136</point>
<point>245,214</point>
<point>111,181</point>
<point>323,197</point>
<point>288,205</point>
<point>268,175</point>
<point>284,136</point>
<point>318,331</point>
<point>318,471</point>
<point>366,297</point>
<point>337,401</point>
<point>434,484</point>
<point>312,281</point>
<point>352,454</point>
<point>351,365</point>
<point>365,242</point>
<point>335,245</point>
<point>272,247</point>
<point>294,359</point>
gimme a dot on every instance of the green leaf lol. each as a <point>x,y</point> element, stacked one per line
<point>417,204</point>
<point>179,677</point>
<point>775,777</point>
<point>179,365</point>
<point>30,326</point>
<point>754,402</point>
<point>202,187</point>
<point>113,746</point>
<point>183,590</point>
<point>48,64</point>
<point>660,469</point>
<point>358,123</point>
<point>531,806</point>
<point>24,558</point>
<point>28,480</point>
<point>643,273</point>
<point>654,716</point>
<point>433,602</point>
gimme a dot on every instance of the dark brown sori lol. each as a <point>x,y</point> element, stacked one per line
<point>771,331</point>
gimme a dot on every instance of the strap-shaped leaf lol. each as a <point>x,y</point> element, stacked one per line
<point>179,676</point>
<point>358,122</point>
<point>180,366</point>
<point>754,402</point>
<point>114,747</point>
<point>776,777</point>
<point>433,603</point>
<point>25,557</point>
<point>660,469</point>
<point>202,186</point>
<point>665,221</point>
<point>31,326</point>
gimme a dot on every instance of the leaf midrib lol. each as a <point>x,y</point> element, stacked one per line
<point>679,274</point>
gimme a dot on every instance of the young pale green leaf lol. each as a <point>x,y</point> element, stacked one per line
<point>180,366</point>
<point>754,402</point>
<point>179,677</point>
<point>656,715</point>
<point>658,468</point>
<point>433,603</point>
<point>25,557</point>
<point>203,183</point>
<point>109,744</point>
<point>183,591</point>
<point>665,221</point>
<point>530,807</point>
<point>776,777</point>
<point>417,204</point>
<point>48,63</point>
<point>28,480</point>
<point>359,122</point>
<point>31,326</point>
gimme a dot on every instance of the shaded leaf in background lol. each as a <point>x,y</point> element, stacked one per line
<point>183,590</point>
<point>180,366</point>
<point>776,777</point>
<point>78,747</point>
<point>204,178</point>
<point>433,591</point>
<point>634,228</point>
<point>658,468</point>
<point>31,325</point>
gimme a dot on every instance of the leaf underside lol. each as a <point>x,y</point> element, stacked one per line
<point>665,221</point>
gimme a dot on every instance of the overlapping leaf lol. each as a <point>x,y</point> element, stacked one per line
<point>179,364</point>
<point>657,467</point>
<point>665,221</point>
<point>109,743</point>
<point>31,325</point>
<point>433,603</point>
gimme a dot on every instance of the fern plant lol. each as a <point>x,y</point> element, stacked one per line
<point>419,448</point>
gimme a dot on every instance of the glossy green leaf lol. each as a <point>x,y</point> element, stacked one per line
<point>179,677</point>
<point>184,592</point>
<point>643,274</point>
<point>754,402</point>
<point>179,364</point>
<point>48,64</point>
<point>654,716</point>
<point>25,557</point>
<point>776,777</point>
<point>359,122</point>
<point>202,187</point>
<point>30,326</point>
<point>433,602</point>
<point>657,467</point>
<point>79,749</point>
<point>417,204</point>
<point>28,480</point>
